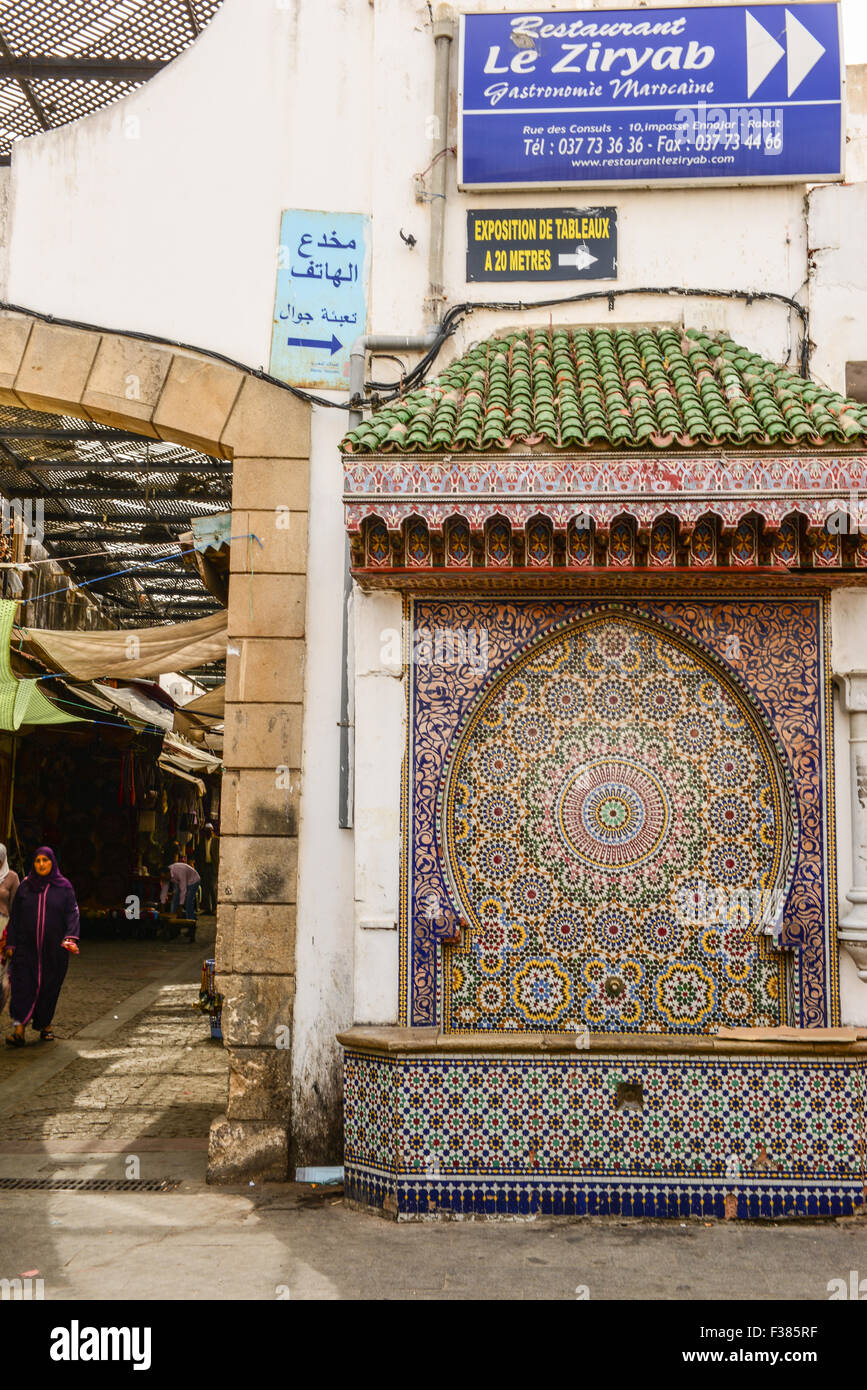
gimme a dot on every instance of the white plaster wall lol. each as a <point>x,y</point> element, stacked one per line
<point>848,653</point>
<point>835,221</point>
<point>5,228</point>
<point>853,994</point>
<point>838,290</point>
<point>848,630</point>
<point>162,212</point>
<point>324,949</point>
<point>380,724</point>
<point>856,124</point>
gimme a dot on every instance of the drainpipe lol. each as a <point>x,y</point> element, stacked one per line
<point>370,342</point>
<point>443,32</point>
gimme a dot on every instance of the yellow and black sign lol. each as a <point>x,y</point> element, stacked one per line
<point>542,244</point>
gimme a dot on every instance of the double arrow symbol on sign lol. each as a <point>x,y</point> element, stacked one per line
<point>802,52</point>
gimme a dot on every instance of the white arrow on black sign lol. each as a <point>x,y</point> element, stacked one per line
<point>581,259</point>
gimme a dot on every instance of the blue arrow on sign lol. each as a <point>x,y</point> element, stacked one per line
<point>333,344</point>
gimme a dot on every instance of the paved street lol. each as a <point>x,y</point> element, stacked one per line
<point>142,1080</point>
<point>109,971</point>
<point>292,1242</point>
<point>132,1059</point>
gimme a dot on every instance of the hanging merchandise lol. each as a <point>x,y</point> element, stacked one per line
<point>115,825</point>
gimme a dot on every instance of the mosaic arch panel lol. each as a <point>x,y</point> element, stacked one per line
<point>604,789</point>
<point>567,795</point>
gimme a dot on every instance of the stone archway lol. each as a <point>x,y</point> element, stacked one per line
<point>190,398</point>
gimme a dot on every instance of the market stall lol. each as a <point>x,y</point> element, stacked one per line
<point>116,809</point>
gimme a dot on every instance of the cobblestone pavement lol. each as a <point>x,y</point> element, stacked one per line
<point>156,1075</point>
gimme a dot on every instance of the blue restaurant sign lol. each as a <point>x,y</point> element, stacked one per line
<point>709,94</point>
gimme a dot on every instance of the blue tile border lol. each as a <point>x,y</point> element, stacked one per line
<point>510,1135</point>
<point>524,1196</point>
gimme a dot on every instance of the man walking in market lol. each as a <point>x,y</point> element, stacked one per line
<point>209,863</point>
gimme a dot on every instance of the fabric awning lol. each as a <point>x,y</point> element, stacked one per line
<point>183,760</point>
<point>22,701</point>
<point>130,652</point>
<point>189,759</point>
<point>168,766</point>
<point>204,712</point>
<point>136,708</point>
<point>213,703</point>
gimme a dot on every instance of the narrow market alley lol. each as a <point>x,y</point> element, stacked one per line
<point>133,1068</point>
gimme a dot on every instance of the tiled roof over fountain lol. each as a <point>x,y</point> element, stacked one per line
<point>619,388</point>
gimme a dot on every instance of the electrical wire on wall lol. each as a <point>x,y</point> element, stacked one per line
<point>449,325</point>
<point>454,317</point>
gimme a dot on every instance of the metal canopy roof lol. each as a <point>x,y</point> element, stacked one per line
<point>114,501</point>
<point>59,62</point>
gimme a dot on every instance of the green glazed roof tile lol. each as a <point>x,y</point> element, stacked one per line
<point>617,387</point>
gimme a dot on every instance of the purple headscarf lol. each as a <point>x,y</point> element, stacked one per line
<point>36,882</point>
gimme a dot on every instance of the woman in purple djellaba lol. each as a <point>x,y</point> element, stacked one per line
<point>43,930</point>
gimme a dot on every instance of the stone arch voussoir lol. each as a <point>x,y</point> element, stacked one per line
<point>188,397</point>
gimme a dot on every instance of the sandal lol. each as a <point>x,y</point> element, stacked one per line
<point>15,1040</point>
<point>47,1035</point>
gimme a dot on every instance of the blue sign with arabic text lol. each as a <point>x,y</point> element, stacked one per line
<point>323,268</point>
<point>709,94</point>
